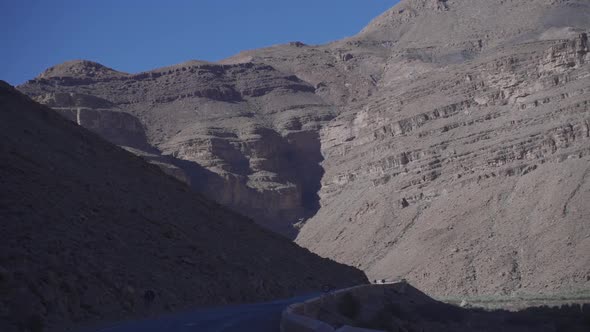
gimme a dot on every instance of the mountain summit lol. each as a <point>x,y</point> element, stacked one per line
<point>453,30</point>
<point>80,69</point>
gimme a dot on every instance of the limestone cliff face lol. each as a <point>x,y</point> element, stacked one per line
<point>443,143</point>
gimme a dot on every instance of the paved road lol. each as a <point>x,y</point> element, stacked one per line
<point>261,317</point>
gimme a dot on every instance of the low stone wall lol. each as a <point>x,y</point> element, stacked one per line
<point>323,314</point>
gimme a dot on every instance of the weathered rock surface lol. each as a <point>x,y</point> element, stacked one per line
<point>470,177</point>
<point>246,133</point>
<point>89,232</point>
<point>452,137</point>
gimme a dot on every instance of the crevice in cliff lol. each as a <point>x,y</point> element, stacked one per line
<point>306,156</point>
<point>278,186</point>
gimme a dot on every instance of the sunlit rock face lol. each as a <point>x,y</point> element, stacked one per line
<point>446,143</point>
<point>464,179</point>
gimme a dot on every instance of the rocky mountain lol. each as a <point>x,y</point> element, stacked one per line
<point>466,175</point>
<point>446,143</point>
<point>90,232</point>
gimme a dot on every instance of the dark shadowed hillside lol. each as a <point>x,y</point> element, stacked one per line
<point>88,231</point>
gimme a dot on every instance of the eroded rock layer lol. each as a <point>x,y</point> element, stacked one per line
<point>471,179</point>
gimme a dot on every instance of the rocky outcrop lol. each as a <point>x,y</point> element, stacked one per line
<point>92,233</point>
<point>566,55</point>
<point>79,72</point>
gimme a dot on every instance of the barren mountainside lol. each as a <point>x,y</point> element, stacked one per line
<point>446,143</point>
<point>88,229</point>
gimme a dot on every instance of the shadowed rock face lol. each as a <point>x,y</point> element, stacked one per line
<point>92,233</point>
<point>451,136</point>
<point>250,129</point>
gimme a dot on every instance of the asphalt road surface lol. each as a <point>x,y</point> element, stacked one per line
<point>261,317</point>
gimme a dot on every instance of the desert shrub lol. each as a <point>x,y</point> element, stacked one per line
<point>349,306</point>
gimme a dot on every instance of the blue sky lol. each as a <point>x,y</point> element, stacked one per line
<point>138,35</point>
